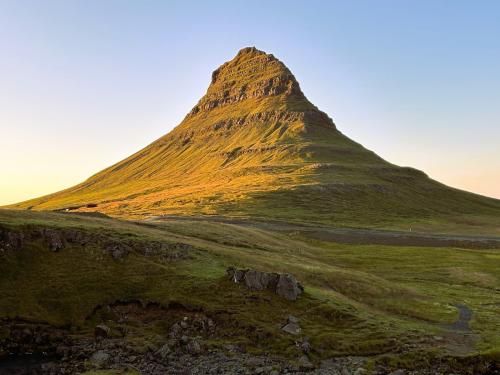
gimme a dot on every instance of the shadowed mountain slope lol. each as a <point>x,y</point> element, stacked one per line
<point>255,146</point>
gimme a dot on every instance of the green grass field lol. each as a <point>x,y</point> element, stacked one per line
<point>371,300</point>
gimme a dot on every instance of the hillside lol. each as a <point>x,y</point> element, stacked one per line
<point>254,146</point>
<point>87,292</point>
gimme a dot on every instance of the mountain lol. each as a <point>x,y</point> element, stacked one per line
<point>254,146</point>
<point>85,293</point>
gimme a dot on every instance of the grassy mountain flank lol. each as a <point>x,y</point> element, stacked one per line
<point>255,146</point>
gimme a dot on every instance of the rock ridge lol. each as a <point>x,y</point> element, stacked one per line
<point>58,239</point>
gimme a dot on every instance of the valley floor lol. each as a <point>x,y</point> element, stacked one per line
<point>373,301</point>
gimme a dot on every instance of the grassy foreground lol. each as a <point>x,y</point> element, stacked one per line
<point>384,302</point>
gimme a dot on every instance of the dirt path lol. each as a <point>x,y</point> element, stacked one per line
<point>464,317</point>
<point>354,236</point>
<point>459,339</point>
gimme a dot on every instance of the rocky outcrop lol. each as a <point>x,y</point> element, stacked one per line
<point>57,239</point>
<point>118,250</point>
<point>252,74</point>
<point>21,338</point>
<point>53,238</point>
<point>285,285</point>
<point>185,336</point>
<point>10,240</point>
<point>230,125</point>
<point>194,344</point>
<point>15,240</point>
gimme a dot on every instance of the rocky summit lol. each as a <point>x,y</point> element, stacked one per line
<point>254,146</point>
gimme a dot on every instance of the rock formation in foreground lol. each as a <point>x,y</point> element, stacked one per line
<point>283,284</point>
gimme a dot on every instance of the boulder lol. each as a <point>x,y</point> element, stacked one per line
<point>305,345</point>
<point>253,280</point>
<point>184,324</point>
<point>292,328</point>
<point>305,364</point>
<point>270,280</point>
<point>285,285</point>
<point>288,287</point>
<point>292,325</point>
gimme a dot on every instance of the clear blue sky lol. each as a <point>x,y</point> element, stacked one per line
<point>84,84</point>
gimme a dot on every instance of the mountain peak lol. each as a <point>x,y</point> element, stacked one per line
<point>249,52</point>
<point>252,73</point>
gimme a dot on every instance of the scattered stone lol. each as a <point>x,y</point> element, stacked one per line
<point>99,358</point>
<point>175,331</point>
<point>101,331</point>
<point>164,351</point>
<point>194,347</point>
<point>263,370</point>
<point>305,364</point>
<point>49,368</point>
<point>234,348</point>
<point>292,328</point>
<point>254,361</point>
<point>304,345</point>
